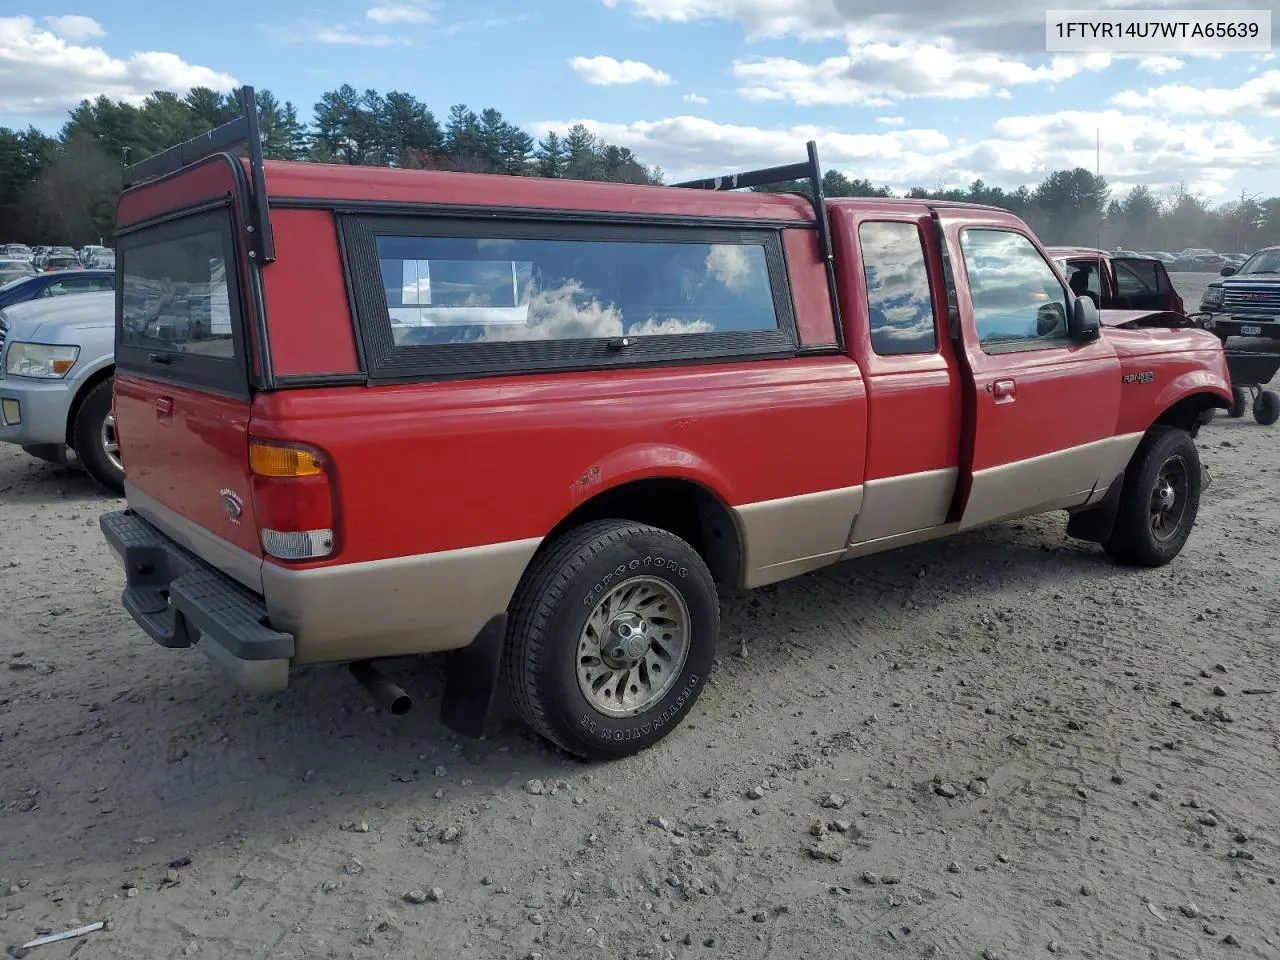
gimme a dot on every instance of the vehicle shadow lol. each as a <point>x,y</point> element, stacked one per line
<point>165,741</point>
<point>28,480</point>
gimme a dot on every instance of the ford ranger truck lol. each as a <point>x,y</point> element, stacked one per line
<point>538,425</point>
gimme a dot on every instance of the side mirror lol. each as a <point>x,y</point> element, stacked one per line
<point>1227,271</point>
<point>1084,320</point>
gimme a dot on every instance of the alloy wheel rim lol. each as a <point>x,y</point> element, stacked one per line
<point>633,646</point>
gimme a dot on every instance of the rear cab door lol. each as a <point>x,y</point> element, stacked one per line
<point>1044,407</point>
<point>895,310</point>
<point>185,361</point>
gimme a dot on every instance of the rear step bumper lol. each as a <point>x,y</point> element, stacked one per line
<point>181,601</point>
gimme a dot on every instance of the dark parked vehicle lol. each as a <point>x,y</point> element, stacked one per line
<point>55,284</point>
<point>1246,301</point>
<point>1200,263</point>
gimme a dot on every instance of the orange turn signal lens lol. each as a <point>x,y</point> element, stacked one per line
<point>278,460</point>
<point>60,367</point>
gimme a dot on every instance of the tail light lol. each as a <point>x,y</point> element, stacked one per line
<point>292,500</point>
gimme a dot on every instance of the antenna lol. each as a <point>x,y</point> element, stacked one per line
<point>1097,172</point>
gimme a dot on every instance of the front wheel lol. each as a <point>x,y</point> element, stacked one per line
<point>93,437</point>
<point>611,637</point>
<point>1239,401</point>
<point>1159,500</point>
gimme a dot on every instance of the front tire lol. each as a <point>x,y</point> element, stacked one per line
<point>611,637</point>
<point>1239,402</point>
<point>1159,500</point>
<point>93,438</point>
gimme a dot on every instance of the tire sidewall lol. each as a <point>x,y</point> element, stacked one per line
<point>640,554</point>
<point>1167,447</point>
<point>1266,410</point>
<point>88,436</point>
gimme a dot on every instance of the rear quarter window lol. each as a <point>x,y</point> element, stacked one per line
<point>899,301</point>
<point>441,298</point>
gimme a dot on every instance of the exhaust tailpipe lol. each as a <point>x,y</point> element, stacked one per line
<point>385,693</point>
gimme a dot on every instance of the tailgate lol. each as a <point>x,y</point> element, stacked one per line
<point>182,398</point>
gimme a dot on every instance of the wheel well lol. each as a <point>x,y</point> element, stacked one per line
<point>92,381</point>
<point>682,507</point>
<point>1187,414</point>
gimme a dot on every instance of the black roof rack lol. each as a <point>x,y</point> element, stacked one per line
<point>244,129</point>
<point>810,170</point>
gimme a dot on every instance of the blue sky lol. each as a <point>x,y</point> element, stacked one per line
<point>917,92</point>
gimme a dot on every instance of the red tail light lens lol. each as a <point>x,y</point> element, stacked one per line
<point>292,500</point>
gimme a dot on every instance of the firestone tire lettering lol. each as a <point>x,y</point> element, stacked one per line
<point>622,568</point>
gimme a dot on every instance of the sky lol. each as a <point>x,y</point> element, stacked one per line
<point>902,92</point>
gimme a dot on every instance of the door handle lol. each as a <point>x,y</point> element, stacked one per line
<point>1003,389</point>
<point>164,408</point>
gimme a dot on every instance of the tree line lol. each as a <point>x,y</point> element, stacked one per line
<point>1077,207</point>
<point>63,188</point>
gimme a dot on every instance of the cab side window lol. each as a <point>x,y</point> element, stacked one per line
<point>1018,302</point>
<point>899,301</point>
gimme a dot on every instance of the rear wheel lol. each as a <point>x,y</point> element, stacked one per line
<point>1159,500</point>
<point>611,638</point>
<point>93,437</point>
<point>1266,407</point>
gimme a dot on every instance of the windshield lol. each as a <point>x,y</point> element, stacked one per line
<point>1264,261</point>
<point>13,283</point>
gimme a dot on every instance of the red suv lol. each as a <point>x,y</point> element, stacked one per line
<point>539,424</point>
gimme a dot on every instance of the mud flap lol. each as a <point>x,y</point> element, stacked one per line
<point>471,680</point>
<point>1094,524</point>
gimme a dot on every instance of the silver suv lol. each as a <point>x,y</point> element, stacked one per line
<point>57,365</point>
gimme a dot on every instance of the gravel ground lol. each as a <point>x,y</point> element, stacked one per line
<point>1000,745</point>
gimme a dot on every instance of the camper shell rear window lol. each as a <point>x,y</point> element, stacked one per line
<point>447,297</point>
<point>179,313</point>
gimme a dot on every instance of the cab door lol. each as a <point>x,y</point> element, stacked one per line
<point>1144,284</point>
<point>894,307</point>
<point>1044,406</point>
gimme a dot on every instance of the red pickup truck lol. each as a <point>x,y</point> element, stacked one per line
<point>538,424</point>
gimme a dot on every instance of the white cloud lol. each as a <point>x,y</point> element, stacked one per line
<point>891,121</point>
<point>1017,150</point>
<point>694,98</point>
<point>398,13</point>
<point>876,74</point>
<point>606,71</point>
<point>44,74</point>
<point>342,37</point>
<point>988,25</point>
<point>1160,65</point>
<point>75,27</point>
<point>1257,96</point>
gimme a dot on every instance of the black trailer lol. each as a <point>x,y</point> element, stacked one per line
<point>1251,371</point>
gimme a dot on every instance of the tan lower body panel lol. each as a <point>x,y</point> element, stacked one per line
<point>402,605</point>
<point>792,535</point>
<point>235,562</point>
<point>417,604</point>
<point>1064,478</point>
<point>899,505</point>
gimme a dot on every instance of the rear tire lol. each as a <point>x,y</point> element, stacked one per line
<point>1266,407</point>
<point>1159,500</point>
<point>611,637</point>
<point>94,440</point>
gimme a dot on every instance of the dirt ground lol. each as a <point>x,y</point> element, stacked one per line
<point>1000,745</point>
